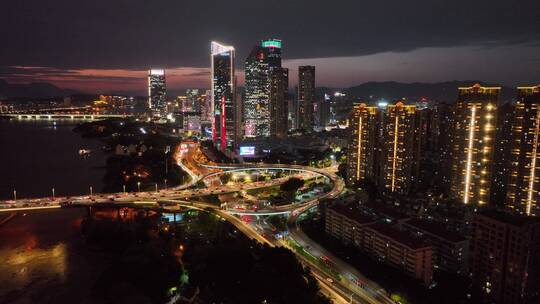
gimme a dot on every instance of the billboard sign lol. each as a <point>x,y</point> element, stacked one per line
<point>247,151</point>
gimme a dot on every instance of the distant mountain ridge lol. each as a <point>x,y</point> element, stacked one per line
<point>369,91</point>
<point>32,90</point>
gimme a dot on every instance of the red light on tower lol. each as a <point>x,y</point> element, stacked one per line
<point>223,125</point>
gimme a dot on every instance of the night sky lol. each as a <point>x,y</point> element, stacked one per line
<point>107,45</point>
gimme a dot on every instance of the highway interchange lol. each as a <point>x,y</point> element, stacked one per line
<point>344,289</point>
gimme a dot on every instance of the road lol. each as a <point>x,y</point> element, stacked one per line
<point>341,291</point>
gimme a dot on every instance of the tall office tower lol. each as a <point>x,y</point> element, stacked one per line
<point>524,181</point>
<point>193,97</point>
<point>292,111</point>
<point>256,112</point>
<point>279,89</point>
<point>505,258</point>
<point>239,114</point>
<point>472,143</point>
<point>157,102</point>
<point>362,144</point>
<point>398,148</point>
<point>261,61</point>
<point>272,50</point>
<point>224,121</point>
<point>306,96</point>
<point>208,108</point>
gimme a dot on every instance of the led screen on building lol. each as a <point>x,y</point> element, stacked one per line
<point>247,150</point>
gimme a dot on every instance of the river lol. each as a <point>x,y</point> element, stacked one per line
<point>40,260</point>
<point>45,259</point>
<point>39,155</point>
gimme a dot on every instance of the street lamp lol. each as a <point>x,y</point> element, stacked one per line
<point>15,195</point>
<point>156,188</point>
<point>165,184</point>
<point>124,188</point>
<point>139,186</point>
<point>52,192</point>
<point>91,191</point>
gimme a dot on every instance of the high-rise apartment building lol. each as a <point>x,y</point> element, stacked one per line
<point>398,148</point>
<point>505,258</point>
<point>264,58</point>
<point>224,121</point>
<point>382,147</point>
<point>473,143</point>
<point>502,155</point>
<point>306,96</point>
<point>524,178</point>
<point>362,143</point>
<point>440,135</point>
<point>157,102</point>
<point>279,87</point>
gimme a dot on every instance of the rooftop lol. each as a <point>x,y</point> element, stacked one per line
<point>387,210</point>
<point>508,218</point>
<point>352,213</point>
<point>437,229</point>
<point>399,236</point>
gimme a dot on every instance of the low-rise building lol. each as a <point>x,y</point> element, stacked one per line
<point>345,223</point>
<point>451,250</point>
<point>383,242</point>
<point>399,249</point>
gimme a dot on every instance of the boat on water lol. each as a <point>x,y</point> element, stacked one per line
<point>85,152</point>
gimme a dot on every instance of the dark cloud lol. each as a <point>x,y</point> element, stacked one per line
<point>135,34</point>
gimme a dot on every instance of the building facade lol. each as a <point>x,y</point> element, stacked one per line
<point>306,97</point>
<point>384,145</point>
<point>524,180</point>
<point>451,250</point>
<point>224,120</point>
<point>362,144</point>
<point>398,148</point>
<point>473,143</point>
<point>259,66</point>
<point>157,102</point>
<point>506,258</point>
<point>382,242</point>
<point>279,88</point>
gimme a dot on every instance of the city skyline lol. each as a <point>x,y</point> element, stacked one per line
<point>463,41</point>
<point>310,152</point>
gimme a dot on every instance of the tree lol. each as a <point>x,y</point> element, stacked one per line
<point>291,186</point>
<point>342,170</point>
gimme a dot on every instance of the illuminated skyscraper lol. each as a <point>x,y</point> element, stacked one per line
<point>382,146</point>
<point>207,107</point>
<point>279,87</point>
<point>224,122</point>
<point>257,89</point>
<point>157,102</point>
<point>398,148</point>
<point>306,96</point>
<point>362,143</point>
<point>524,180</point>
<point>472,143</point>
<point>272,49</point>
<point>259,64</point>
